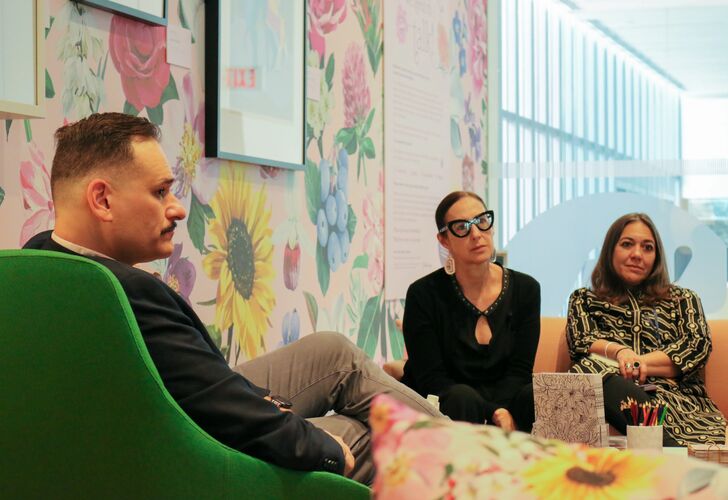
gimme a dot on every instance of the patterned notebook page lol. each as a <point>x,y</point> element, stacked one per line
<point>570,407</point>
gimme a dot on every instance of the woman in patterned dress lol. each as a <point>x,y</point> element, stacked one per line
<point>655,331</point>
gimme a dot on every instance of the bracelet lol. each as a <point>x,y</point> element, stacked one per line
<point>606,348</point>
<point>619,350</point>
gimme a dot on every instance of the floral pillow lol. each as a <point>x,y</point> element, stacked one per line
<point>421,457</point>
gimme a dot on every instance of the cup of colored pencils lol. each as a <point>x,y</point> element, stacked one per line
<point>644,423</point>
<point>651,413</point>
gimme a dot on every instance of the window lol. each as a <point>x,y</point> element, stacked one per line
<point>571,95</point>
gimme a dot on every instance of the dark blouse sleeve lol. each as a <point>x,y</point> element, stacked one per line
<point>690,351</point>
<point>527,310</point>
<point>528,330</point>
<point>425,363</point>
<point>581,329</point>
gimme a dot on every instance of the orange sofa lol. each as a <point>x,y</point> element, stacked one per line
<point>553,356</point>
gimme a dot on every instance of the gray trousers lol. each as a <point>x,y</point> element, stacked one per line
<point>324,372</point>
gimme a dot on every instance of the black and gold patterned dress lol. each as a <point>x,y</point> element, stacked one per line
<point>675,326</point>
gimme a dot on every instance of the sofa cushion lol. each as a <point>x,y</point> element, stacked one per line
<point>553,353</point>
<point>716,371</point>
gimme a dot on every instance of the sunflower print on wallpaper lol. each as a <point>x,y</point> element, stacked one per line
<point>241,261</point>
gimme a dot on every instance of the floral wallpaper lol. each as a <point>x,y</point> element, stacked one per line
<point>265,255</point>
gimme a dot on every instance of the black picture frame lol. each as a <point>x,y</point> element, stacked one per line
<point>142,15</point>
<point>229,142</point>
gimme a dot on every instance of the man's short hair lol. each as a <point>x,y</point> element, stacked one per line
<point>100,141</point>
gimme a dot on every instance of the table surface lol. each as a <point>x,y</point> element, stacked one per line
<point>620,442</point>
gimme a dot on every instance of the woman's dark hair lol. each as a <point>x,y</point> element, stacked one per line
<point>607,285</point>
<point>449,201</point>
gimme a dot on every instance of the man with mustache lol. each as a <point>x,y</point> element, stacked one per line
<point>111,190</point>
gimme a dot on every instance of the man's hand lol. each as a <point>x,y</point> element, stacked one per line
<point>349,460</point>
<point>268,398</point>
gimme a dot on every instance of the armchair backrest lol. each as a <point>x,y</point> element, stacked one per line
<point>83,411</point>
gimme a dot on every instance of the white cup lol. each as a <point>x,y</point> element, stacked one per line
<point>644,437</point>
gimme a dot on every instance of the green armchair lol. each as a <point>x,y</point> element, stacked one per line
<point>83,412</point>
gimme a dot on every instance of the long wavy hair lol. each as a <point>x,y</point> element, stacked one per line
<point>607,284</point>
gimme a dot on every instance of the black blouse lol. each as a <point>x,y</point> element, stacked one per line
<point>439,332</point>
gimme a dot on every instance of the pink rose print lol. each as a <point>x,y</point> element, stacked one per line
<point>324,17</point>
<point>477,50</point>
<point>138,51</point>
<point>35,179</point>
<point>357,100</point>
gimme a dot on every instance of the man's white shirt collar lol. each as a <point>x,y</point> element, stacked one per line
<point>86,252</point>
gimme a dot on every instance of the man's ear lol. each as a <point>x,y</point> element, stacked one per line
<point>98,192</point>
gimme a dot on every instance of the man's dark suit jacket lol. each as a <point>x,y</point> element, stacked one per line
<point>221,401</point>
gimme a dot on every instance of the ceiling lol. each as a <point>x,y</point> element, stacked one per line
<point>684,40</point>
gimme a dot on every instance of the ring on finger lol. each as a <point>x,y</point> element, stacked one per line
<point>636,365</point>
<point>628,366</point>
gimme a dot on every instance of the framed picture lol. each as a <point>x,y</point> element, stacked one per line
<point>150,11</point>
<point>22,59</point>
<point>255,80</point>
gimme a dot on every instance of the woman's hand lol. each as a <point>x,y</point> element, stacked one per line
<point>643,369</point>
<point>632,366</point>
<point>503,419</point>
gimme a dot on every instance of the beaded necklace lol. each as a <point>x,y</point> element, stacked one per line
<point>470,305</point>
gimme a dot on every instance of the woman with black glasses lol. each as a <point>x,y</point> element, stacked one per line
<point>471,328</point>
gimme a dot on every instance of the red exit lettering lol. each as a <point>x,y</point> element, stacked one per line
<point>240,78</point>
